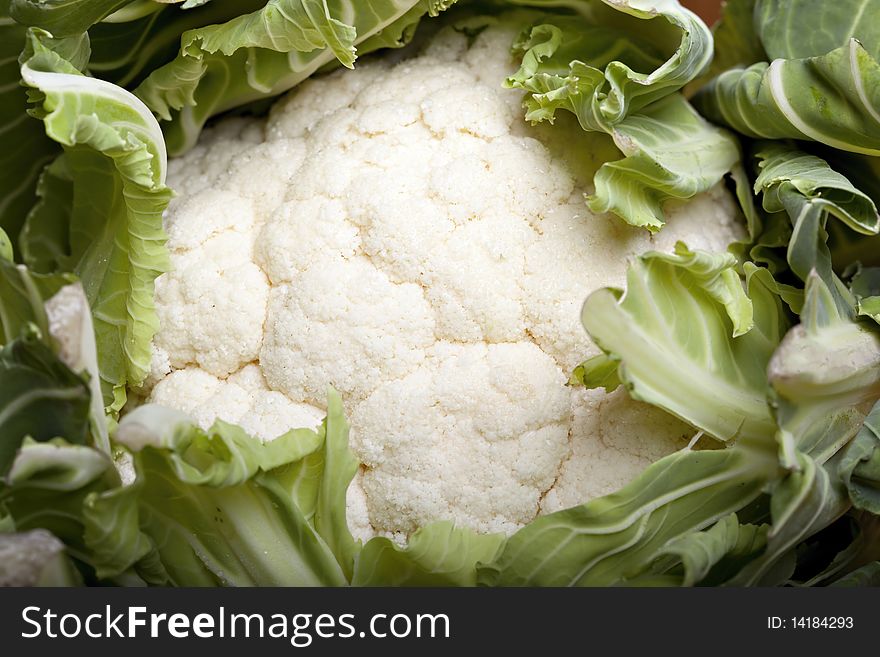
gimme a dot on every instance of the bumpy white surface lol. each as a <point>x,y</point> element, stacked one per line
<point>400,233</point>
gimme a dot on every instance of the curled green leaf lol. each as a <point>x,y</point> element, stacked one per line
<point>116,157</point>
<point>831,99</point>
<point>691,341</point>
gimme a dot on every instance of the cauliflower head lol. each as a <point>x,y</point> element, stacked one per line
<point>400,233</point>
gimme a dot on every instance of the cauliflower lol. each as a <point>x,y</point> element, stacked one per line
<point>400,233</point>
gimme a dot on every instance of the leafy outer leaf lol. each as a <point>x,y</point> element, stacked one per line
<point>235,520</point>
<point>133,42</point>
<point>564,59</point>
<point>808,499</point>
<point>261,55</point>
<point>339,468</point>
<point>792,296</point>
<point>63,17</point>
<point>865,287</point>
<point>831,99</point>
<point>439,554</point>
<point>782,167</point>
<point>283,26</point>
<point>870,307</point>
<point>22,298</point>
<point>45,236</point>
<point>50,486</point>
<point>401,32</point>
<point>53,309</point>
<point>26,148</point>
<point>672,332</point>
<point>859,466</point>
<point>116,154</point>
<point>591,66</point>
<point>736,41</point>
<point>672,153</point>
<point>781,26</point>
<point>809,191</point>
<point>615,538</point>
<point>40,398</point>
<point>628,89</point>
<point>824,372</point>
<point>767,232</point>
<point>699,552</point>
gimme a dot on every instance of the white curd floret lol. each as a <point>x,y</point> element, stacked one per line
<point>400,233</point>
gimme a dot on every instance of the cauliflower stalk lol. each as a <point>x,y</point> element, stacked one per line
<point>400,233</point>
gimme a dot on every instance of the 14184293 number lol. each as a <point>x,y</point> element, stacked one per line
<point>810,622</point>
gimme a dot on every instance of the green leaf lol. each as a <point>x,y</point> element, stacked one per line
<point>768,233</point>
<point>63,488</point>
<point>859,466</point>
<point>690,341</point>
<point>692,558</point>
<point>865,287</point>
<point>615,73</point>
<point>615,539</point>
<point>792,296</point>
<point>40,398</point>
<point>831,99</point>
<point>784,168</point>
<point>243,513</point>
<point>26,148</point>
<point>235,519</point>
<point>45,237</point>
<point>339,467</point>
<point>50,355</point>
<point>115,154</point>
<point>810,191</point>
<point>300,26</point>
<point>72,331</point>
<point>644,50</point>
<point>131,43</point>
<point>671,153</point>
<point>563,68</point>
<point>794,29</point>
<point>808,499</point>
<point>22,298</point>
<point>241,516</point>
<point>63,17</point>
<point>439,554</point>
<point>736,42</point>
<point>403,30</point>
